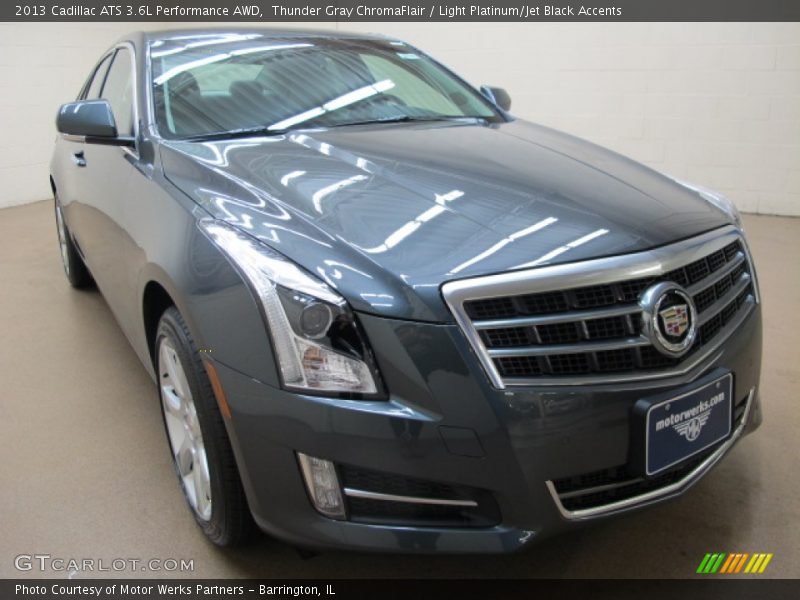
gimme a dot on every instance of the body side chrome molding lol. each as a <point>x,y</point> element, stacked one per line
<point>652,496</point>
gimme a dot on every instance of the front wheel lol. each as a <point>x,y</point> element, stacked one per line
<point>201,452</point>
<point>74,267</point>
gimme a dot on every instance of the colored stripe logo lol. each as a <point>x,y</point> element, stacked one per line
<point>736,562</point>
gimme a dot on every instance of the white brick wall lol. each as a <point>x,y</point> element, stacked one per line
<point>41,66</point>
<point>715,103</point>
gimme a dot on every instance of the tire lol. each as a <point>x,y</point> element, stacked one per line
<point>205,465</point>
<point>74,267</point>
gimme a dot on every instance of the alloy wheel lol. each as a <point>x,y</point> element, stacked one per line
<point>183,430</point>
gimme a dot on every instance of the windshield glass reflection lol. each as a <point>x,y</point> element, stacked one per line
<point>252,84</point>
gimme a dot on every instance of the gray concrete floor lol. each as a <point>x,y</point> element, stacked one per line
<point>85,471</point>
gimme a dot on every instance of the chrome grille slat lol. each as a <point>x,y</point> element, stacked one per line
<point>565,317</point>
<point>578,348</point>
<point>730,295</point>
<point>714,278</point>
<point>694,360</point>
<point>581,323</point>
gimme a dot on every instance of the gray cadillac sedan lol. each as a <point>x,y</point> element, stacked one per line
<point>384,314</point>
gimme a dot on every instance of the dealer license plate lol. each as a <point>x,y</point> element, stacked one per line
<point>682,426</point>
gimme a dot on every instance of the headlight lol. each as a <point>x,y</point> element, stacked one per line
<point>317,341</point>
<point>717,199</point>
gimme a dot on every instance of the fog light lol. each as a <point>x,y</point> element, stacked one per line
<point>322,485</point>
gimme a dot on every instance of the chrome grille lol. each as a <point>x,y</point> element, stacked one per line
<point>582,322</point>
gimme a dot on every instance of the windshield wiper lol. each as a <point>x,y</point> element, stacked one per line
<point>267,131</point>
<point>234,133</point>
<point>405,119</point>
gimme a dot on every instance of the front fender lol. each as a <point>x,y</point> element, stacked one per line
<point>223,317</point>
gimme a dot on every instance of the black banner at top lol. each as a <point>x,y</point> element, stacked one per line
<point>529,11</point>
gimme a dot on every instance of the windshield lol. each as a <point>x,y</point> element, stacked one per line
<point>231,82</point>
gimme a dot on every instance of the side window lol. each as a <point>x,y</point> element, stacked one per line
<point>93,90</point>
<point>118,90</point>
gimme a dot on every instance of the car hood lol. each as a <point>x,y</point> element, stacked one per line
<point>386,214</point>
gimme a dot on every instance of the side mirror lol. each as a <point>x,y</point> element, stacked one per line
<point>498,96</point>
<point>91,120</point>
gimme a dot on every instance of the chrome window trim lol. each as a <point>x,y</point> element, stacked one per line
<point>112,51</point>
<point>90,79</point>
<point>674,488</point>
<point>654,262</point>
<point>152,128</point>
<point>134,95</point>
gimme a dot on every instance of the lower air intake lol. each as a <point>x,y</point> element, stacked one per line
<point>387,499</point>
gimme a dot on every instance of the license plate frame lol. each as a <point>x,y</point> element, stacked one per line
<point>671,428</point>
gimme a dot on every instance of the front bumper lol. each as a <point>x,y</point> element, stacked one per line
<point>526,438</point>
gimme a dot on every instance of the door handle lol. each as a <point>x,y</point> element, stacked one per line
<point>79,159</point>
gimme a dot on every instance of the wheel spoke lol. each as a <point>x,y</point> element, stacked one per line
<point>175,371</point>
<point>173,403</point>
<point>164,363</point>
<point>193,423</point>
<point>202,486</point>
<point>184,458</point>
<point>181,384</point>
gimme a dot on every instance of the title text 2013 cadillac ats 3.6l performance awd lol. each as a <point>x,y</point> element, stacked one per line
<point>382,313</point>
